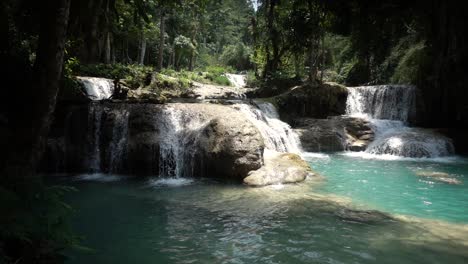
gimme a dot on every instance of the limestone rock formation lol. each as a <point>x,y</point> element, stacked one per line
<point>280,168</point>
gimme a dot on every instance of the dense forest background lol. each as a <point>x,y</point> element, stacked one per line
<point>45,43</point>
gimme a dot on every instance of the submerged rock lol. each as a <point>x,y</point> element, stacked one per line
<point>439,176</point>
<point>363,216</point>
<point>280,168</point>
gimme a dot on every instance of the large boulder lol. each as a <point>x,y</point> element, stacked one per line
<point>312,101</point>
<point>230,146</point>
<point>334,134</point>
<point>320,135</point>
<point>280,168</point>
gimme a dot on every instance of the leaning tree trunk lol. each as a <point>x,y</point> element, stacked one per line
<point>33,119</point>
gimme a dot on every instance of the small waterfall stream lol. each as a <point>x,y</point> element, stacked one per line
<point>278,135</point>
<point>237,80</point>
<point>388,108</point>
<point>178,129</point>
<point>97,88</point>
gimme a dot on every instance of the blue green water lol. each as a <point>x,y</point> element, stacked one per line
<point>394,186</point>
<point>202,221</point>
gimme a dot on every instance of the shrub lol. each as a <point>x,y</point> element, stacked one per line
<point>133,75</point>
<point>237,56</point>
<point>409,67</point>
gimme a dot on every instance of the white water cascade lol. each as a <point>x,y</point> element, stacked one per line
<point>238,80</point>
<point>278,136</point>
<point>176,150</point>
<point>179,129</point>
<point>388,108</point>
<point>97,88</point>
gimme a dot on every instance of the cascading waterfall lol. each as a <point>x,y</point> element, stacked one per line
<point>388,108</point>
<point>237,80</point>
<point>94,129</point>
<point>117,149</point>
<point>117,138</point>
<point>97,88</point>
<point>176,137</point>
<point>278,135</point>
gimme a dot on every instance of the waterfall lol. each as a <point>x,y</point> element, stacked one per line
<point>171,140</point>
<point>394,102</point>
<point>278,136</point>
<point>117,148</point>
<point>388,108</point>
<point>97,88</point>
<point>176,150</point>
<point>238,80</point>
<point>94,129</point>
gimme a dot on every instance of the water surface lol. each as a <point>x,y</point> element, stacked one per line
<point>201,221</point>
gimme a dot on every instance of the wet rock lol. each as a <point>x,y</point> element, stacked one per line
<point>209,91</point>
<point>229,145</point>
<point>280,168</point>
<point>334,134</point>
<point>312,101</point>
<point>321,135</point>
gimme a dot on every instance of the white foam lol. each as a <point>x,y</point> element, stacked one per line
<point>366,155</point>
<point>238,80</point>
<point>97,88</point>
<point>170,182</point>
<point>314,155</point>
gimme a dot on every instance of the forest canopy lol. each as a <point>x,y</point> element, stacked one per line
<point>46,44</point>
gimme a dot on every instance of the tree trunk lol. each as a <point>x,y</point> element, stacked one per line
<point>159,66</point>
<point>297,65</point>
<point>192,59</point>
<point>254,44</point>
<point>272,60</point>
<point>142,51</point>
<point>32,122</point>
<point>313,63</point>
<point>92,37</point>
<point>107,58</point>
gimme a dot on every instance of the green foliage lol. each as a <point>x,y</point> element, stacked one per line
<point>37,224</point>
<point>252,80</point>
<point>237,56</point>
<point>410,65</point>
<point>216,74</point>
<point>212,75</point>
<point>162,82</point>
<point>133,75</point>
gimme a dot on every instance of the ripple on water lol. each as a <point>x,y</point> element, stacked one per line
<point>99,177</point>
